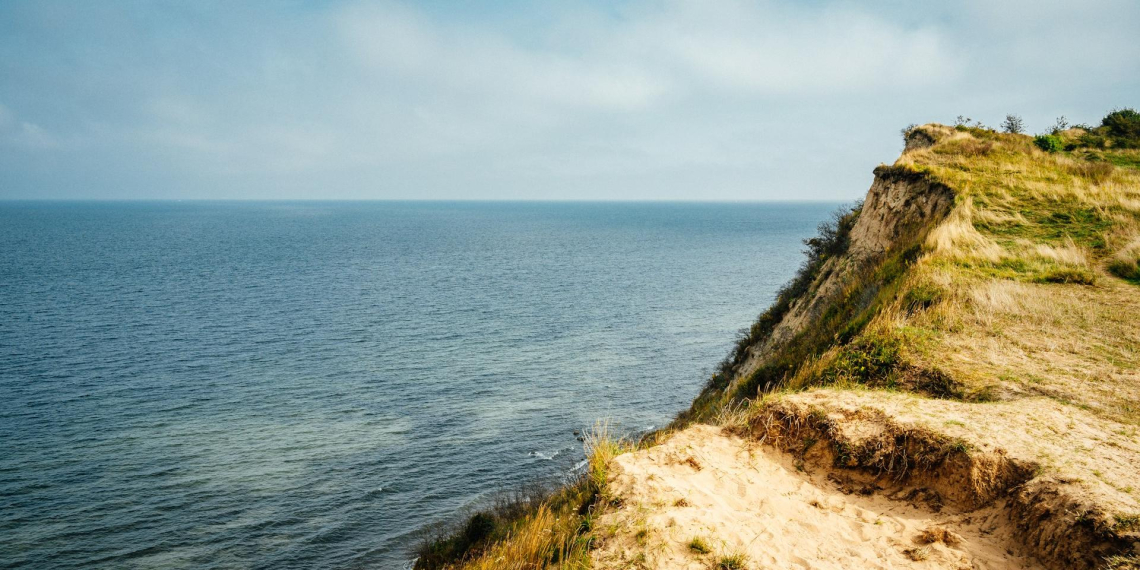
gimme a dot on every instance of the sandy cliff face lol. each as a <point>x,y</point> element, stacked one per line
<point>954,383</point>
<point>900,208</point>
<point>975,278</point>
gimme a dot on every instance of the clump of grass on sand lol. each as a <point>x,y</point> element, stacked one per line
<point>699,546</point>
<point>553,530</point>
<point>735,561</point>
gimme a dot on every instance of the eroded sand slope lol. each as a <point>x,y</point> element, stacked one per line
<point>743,498</point>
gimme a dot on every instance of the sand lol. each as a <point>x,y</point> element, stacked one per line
<point>744,498</point>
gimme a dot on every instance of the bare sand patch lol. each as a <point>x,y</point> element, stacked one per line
<point>738,497</point>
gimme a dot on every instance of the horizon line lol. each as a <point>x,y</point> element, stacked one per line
<point>437,200</point>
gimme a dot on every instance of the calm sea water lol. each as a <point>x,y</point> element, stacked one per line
<point>307,385</point>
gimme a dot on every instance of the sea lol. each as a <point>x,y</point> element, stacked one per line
<point>311,385</point>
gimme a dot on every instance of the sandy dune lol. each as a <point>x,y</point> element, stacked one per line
<point>743,498</point>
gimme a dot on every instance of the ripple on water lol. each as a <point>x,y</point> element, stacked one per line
<point>306,385</point>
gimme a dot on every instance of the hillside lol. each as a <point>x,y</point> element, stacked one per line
<point>958,360</point>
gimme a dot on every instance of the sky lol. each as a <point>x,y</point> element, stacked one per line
<point>507,100</point>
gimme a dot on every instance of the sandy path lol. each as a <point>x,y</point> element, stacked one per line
<point>743,498</point>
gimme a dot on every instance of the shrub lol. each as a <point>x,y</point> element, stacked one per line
<point>479,527</point>
<point>1120,128</point>
<point>1048,143</point>
<point>1093,139</point>
<point>1123,124</point>
<point>1061,125</point>
<point>906,133</point>
<point>963,123</point>
<point>1013,124</point>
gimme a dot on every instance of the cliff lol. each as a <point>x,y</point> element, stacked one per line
<point>953,378</point>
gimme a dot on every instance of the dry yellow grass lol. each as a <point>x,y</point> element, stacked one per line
<point>1026,304</point>
<point>558,533</point>
<point>542,540</point>
<point>1021,294</point>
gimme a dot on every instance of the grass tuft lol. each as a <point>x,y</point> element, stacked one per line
<point>1126,262</point>
<point>735,561</point>
<point>917,554</point>
<point>699,546</point>
<point>534,529</point>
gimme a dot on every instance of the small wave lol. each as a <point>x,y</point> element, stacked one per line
<point>579,465</point>
<point>546,456</point>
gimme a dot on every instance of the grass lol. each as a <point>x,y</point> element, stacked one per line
<point>699,546</point>
<point>535,529</point>
<point>1034,269</point>
<point>1127,522</point>
<point>917,554</point>
<point>1126,562</point>
<point>832,240</point>
<point>1026,288</point>
<point>1126,262</point>
<point>735,561</point>
<point>1026,265</point>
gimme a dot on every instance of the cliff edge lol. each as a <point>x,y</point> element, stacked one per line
<point>951,380</point>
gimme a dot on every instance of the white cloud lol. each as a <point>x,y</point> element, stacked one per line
<point>23,135</point>
<point>670,50</point>
<point>474,62</point>
<point>633,101</point>
<point>771,49</point>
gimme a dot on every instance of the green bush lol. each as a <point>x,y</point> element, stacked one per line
<point>1118,129</point>
<point>1048,143</point>
<point>1092,139</point>
<point>1123,124</point>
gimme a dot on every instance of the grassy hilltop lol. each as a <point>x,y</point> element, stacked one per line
<point>971,329</point>
<point>1056,228</point>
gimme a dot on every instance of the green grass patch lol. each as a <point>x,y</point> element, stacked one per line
<point>922,296</point>
<point>870,359</point>
<point>1068,274</point>
<point>1053,223</point>
<point>1128,269</point>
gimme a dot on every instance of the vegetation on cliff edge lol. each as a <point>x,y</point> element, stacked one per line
<point>1027,288</point>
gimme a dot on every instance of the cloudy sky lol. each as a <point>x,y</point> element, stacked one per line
<point>633,100</point>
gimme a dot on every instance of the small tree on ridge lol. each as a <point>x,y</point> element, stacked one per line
<point>1013,124</point>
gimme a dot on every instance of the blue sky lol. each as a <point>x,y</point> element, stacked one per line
<point>636,100</point>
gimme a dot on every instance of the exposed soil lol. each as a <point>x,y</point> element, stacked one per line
<point>741,497</point>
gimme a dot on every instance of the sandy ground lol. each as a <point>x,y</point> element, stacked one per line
<point>1099,456</point>
<point>743,498</point>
